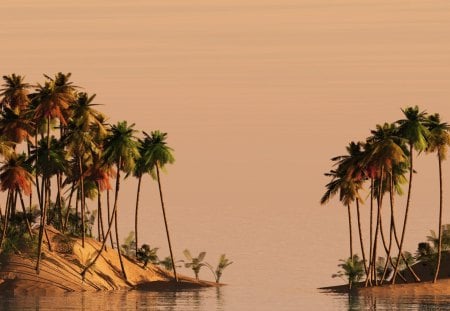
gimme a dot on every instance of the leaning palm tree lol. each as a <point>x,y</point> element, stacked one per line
<point>121,150</point>
<point>413,129</point>
<point>158,154</point>
<point>438,141</point>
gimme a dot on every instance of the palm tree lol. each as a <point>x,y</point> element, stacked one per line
<point>15,177</point>
<point>52,101</point>
<point>438,141</point>
<point>121,150</point>
<point>413,129</point>
<point>385,152</point>
<point>81,146</point>
<point>15,93</point>
<point>347,179</point>
<point>158,154</point>
<point>143,166</point>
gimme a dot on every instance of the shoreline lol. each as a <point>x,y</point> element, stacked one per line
<point>61,268</point>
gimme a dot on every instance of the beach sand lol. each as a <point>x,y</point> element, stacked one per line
<point>61,268</point>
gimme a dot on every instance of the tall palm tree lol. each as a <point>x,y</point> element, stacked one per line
<point>351,167</point>
<point>347,180</point>
<point>81,146</point>
<point>121,150</point>
<point>438,141</point>
<point>413,129</point>
<point>52,101</point>
<point>49,159</point>
<point>385,153</point>
<point>143,166</point>
<point>158,154</point>
<point>15,93</point>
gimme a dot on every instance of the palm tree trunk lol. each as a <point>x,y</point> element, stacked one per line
<point>110,225</point>
<point>440,217</point>
<point>41,231</point>
<point>350,230</point>
<point>109,215</point>
<point>58,199</point>
<point>391,229</point>
<point>25,214</point>
<point>83,231</point>
<point>101,231</point>
<point>361,242</point>
<point>136,214</point>
<point>5,224</point>
<point>379,204</point>
<point>165,222</point>
<point>408,200</point>
<point>116,199</point>
<point>371,229</point>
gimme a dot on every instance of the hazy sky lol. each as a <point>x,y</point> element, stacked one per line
<point>256,97</point>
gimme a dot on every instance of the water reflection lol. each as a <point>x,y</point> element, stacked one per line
<point>203,299</point>
<point>373,302</point>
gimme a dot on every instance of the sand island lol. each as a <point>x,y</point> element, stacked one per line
<point>57,153</point>
<point>373,176</point>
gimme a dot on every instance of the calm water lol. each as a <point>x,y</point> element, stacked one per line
<point>216,299</point>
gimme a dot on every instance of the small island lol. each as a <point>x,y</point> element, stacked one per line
<point>57,151</point>
<point>61,271</point>
<point>370,177</point>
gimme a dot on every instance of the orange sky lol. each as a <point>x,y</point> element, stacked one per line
<point>256,97</point>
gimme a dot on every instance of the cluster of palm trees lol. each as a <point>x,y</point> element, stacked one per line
<point>57,150</point>
<point>384,162</point>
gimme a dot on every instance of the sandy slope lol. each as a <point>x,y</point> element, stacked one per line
<point>60,271</point>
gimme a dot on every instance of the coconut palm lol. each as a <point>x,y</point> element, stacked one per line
<point>51,101</point>
<point>143,166</point>
<point>413,129</point>
<point>385,152</point>
<point>15,177</point>
<point>121,150</point>
<point>15,93</point>
<point>158,154</point>
<point>81,146</point>
<point>347,180</point>
<point>438,141</point>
